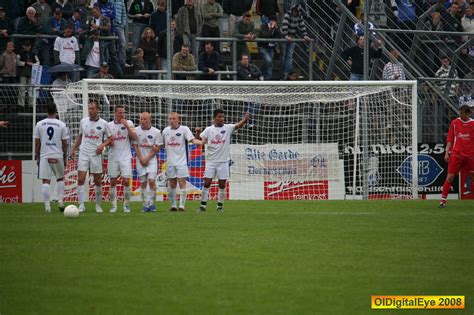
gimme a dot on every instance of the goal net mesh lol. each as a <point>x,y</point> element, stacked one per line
<point>307,141</point>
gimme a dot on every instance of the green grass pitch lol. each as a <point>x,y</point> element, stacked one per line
<point>297,257</point>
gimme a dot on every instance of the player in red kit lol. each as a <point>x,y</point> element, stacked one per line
<point>459,149</point>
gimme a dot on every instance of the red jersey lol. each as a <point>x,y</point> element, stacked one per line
<point>461,134</point>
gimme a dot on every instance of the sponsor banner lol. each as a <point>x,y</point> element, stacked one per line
<point>384,183</point>
<point>10,181</point>
<point>304,190</point>
<point>286,171</point>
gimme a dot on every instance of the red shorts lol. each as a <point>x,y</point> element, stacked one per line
<point>457,163</point>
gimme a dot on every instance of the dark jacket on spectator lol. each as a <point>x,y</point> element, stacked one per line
<point>267,7</point>
<point>356,54</point>
<point>150,49</point>
<point>236,7</point>
<point>158,21</point>
<point>162,47</point>
<point>251,72</point>
<point>5,24</point>
<point>137,8</point>
<point>24,70</point>
<point>66,8</point>
<point>266,32</point>
<point>207,61</point>
<point>59,25</point>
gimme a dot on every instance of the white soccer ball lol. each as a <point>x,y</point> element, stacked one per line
<point>71,211</point>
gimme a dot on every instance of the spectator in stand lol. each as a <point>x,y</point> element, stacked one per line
<point>43,14</point>
<point>120,24</point>
<point>359,28</point>
<point>4,124</point>
<point>26,59</point>
<point>267,9</point>
<point>236,9</point>
<point>6,29</point>
<point>56,24</point>
<point>61,81</point>
<point>107,8</point>
<point>267,49</point>
<point>464,63</point>
<point>104,72</point>
<point>211,13</point>
<point>8,63</point>
<point>150,48</point>
<point>393,70</point>
<point>108,52</point>
<point>293,25</point>
<point>177,41</point>
<point>209,62</point>
<point>140,12</point>
<point>430,51</point>
<point>244,30</point>
<point>467,21</point>
<point>183,61</point>
<point>443,72</point>
<point>78,26</point>
<point>90,54</point>
<point>188,25</point>
<point>175,6</point>
<point>352,5</point>
<point>452,23</point>
<point>28,25</point>
<point>405,18</point>
<point>293,76</point>
<point>248,71</point>
<point>355,58</point>
<point>66,50</point>
<point>138,64</point>
<point>158,18</point>
<point>66,8</point>
<point>15,9</point>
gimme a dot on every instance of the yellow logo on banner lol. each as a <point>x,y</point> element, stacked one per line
<point>417,301</point>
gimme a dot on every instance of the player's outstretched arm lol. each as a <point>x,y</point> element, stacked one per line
<point>37,148</point>
<point>197,136</point>
<point>4,123</point>
<point>244,120</point>
<point>64,147</point>
<point>448,149</point>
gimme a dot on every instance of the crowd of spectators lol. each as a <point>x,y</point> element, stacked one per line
<point>91,34</point>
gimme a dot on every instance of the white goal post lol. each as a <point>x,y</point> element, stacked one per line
<point>305,140</point>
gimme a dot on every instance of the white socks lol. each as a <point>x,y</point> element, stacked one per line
<point>80,194</point>
<point>46,195</point>
<point>173,197</point>
<point>127,194</point>
<point>221,196</point>
<point>98,195</point>
<point>60,190</point>
<point>182,198</point>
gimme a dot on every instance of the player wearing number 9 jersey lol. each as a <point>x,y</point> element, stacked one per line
<point>51,137</point>
<point>459,149</point>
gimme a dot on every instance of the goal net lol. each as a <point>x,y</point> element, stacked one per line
<point>304,140</point>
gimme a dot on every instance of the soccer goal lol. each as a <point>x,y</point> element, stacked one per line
<point>304,140</point>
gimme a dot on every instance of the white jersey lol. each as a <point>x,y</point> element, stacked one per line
<point>51,132</point>
<point>120,150</point>
<point>218,142</point>
<point>67,47</point>
<point>176,145</point>
<point>93,132</point>
<point>146,138</point>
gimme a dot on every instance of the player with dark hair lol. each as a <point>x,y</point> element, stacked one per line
<point>217,137</point>
<point>51,137</point>
<point>459,149</point>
